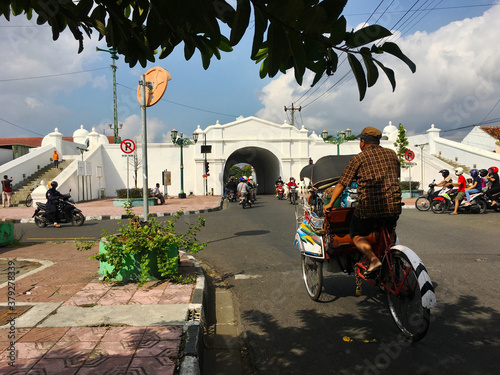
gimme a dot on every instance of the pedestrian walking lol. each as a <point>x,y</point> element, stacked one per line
<point>6,190</point>
<point>55,158</point>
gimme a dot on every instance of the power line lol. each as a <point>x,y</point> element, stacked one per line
<point>185,105</point>
<point>20,127</point>
<point>51,75</point>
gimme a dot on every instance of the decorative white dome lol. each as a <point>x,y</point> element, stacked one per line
<point>390,132</point>
<point>80,135</point>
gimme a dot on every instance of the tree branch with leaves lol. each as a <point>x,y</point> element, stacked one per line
<point>299,34</point>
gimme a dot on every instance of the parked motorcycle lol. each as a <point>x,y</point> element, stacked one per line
<point>245,201</point>
<point>66,213</point>
<point>445,201</point>
<point>281,191</point>
<point>423,202</point>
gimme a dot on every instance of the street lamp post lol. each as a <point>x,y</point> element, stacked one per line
<point>340,138</point>
<point>182,142</point>
<point>114,57</point>
<point>422,162</point>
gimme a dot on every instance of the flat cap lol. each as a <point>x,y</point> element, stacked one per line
<point>370,133</point>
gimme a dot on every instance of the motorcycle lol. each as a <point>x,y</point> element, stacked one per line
<point>293,195</point>
<point>231,196</point>
<point>496,198</point>
<point>66,212</point>
<point>281,191</point>
<point>423,202</point>
<point>445,201</point>
<point>245,201</point>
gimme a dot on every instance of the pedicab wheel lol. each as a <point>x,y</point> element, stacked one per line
<point>422,203</point>
<point>404,298</point>
<point>312,273</point>
<point>438,207</point>
<point>29,200</point>
<point>40,223</point>
<point>78,219</point>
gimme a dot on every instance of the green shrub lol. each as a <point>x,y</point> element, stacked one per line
<point>405,185</point>
<point>133,193</point>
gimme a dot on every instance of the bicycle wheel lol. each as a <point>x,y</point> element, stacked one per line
<point>29,200</point>
<point>422,203</point>
<point>312,273</point>
<point>438,207</point>
<point>404,299</point>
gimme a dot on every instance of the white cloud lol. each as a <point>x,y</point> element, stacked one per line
<point>132,129</point>
<point>456,84</point>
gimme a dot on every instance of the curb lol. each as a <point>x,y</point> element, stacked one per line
<point>123,217</point>
<point>193,327</point>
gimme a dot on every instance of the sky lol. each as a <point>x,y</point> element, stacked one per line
<point>46,84</point>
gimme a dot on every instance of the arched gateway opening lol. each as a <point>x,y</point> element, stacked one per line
<point>264,162</point>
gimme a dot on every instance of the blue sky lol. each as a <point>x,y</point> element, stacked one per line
<point>46,84</point>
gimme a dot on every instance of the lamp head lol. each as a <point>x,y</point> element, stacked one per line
<point>324,135</point>
<point>173,134</point>
<point>195,137</point>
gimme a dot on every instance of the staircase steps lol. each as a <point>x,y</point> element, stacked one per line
<point>25,187</point>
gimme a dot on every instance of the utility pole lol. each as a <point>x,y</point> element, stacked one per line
<point>293,109</point>
<point>422,163</point>
<point>114,57</point>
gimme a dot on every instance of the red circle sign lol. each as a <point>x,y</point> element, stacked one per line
<point>409,155</point>
<point>127,146</point>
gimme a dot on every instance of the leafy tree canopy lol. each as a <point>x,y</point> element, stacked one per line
<point>299,34</point>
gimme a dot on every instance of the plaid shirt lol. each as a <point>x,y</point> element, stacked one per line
<point>376,171</point>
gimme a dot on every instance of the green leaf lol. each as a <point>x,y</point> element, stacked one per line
<point>84,7</point>
<point>263,69</point>
<point>393,49</point>
<point>359,74</point>
<point>260,29</point>
<point>337,32</point>
<point>276,41</point>
<point>240,22</point>
<point>366,35</point>
<point>298,55</point>
<point>371,69</point>
<point>389,73</point>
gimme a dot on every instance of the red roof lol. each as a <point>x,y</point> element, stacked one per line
<point>493,131</point>
<point>37,141</point>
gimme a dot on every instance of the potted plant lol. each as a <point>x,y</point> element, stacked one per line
<point>143,251</point>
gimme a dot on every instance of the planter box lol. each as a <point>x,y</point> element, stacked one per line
<point>131,271</point>
<point>6,233</point>
<point>119,202</point>
<point>413,194</point>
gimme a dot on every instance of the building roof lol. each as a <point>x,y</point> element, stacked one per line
<point>493,131</point>
<point>36,141</point>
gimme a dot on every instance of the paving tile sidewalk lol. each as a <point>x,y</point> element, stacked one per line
<point>77,325</point>
<point>103,208</point>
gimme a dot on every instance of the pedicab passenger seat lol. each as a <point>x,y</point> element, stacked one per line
<point>336,224</point>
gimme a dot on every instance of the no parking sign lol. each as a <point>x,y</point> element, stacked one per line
<point>409,155</point>
<point>127,146</point>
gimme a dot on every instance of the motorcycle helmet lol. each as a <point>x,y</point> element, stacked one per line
<point>493,169</point>
<point>445,172</point>
<point>483,172</point>
<point>459,171</point>
<point>473,173</point>
<point>54,184</point>
<point>250,178</point>
<point>242,179</point>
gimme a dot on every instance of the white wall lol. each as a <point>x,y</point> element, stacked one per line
<point>27,164</point>
<point>5,156</point>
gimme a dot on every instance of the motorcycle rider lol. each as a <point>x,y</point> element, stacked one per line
<point>483,173</point>
<point>289,185</point>
<point>474,188</point>
<point>231,185</point>
<point>462,183</point>
<point>52,196</point>
<point>253,187</point>
<point>278,182</point>
<point>243,188</point>
<point>492,177</point>
<point>446,177</point>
